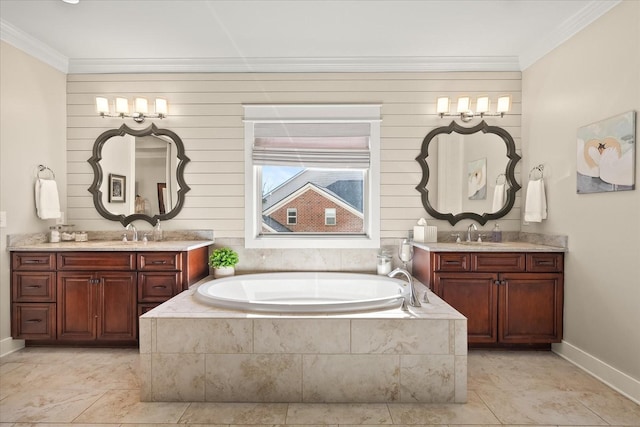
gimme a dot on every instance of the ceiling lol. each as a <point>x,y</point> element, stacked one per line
<point>296,35</point>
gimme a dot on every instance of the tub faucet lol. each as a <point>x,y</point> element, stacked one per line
<point>472,225</point>
<point>130,226</point>
<point>413,298</point>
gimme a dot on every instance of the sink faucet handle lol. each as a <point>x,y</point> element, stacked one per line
<point>124,237</point>
<point>457,236</point>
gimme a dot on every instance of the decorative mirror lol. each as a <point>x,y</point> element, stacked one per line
<point>138,174</point>
<point>468,173</point>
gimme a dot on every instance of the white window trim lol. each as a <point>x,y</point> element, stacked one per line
<point>334,217</point>
<point>295,216</point>
<point>305,113</point>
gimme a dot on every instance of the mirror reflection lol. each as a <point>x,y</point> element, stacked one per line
<point>468,173</point>
<point>138,174</point>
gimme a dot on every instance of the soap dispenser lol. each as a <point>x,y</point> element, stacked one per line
<point>157,232</point>
<point>496,234</point>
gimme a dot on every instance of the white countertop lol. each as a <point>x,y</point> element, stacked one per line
<point>113,246</point>
<point>487,247</point>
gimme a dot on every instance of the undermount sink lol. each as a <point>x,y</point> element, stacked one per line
<point>476,243</point>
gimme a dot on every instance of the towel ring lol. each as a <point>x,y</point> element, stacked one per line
<point>539,170</point>
<point>43,168</point>
<point>501,176</point>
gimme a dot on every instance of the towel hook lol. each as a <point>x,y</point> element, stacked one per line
<point>43,168</point>
<point>499,176</point>
<point>537,169</point>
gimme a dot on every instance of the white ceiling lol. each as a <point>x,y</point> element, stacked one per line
<point>294,35</point>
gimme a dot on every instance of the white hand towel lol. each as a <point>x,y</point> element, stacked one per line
<point>536,202</point>
<point>498,198</point>
<point>47,201</point>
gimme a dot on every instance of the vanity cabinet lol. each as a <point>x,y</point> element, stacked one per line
<point>95,297</point>
<point>508,298</point>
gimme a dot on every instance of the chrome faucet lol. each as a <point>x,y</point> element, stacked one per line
<point>413,297</point>
<point>130,226</point>
<point>472,225</point>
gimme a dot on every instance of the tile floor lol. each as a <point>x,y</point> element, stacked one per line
<point>52,387</point>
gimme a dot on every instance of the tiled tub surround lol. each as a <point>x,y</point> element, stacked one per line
<point>192,352</point>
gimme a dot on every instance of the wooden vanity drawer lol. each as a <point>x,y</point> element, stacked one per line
<point>502,262</point>
<point>158,261</point>
<point>33,321</point>
<point>33,286</point>
<point>92,261</point>
<point>545,262</point>
<point>451,261</point>
<point>33,261</point>
<point>158,286</point>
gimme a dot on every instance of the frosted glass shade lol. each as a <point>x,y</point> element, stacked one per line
<point>161,106</point>
<point>482,104</point>
<point>463,104</point>
<point>122,106</point>
<point>142,106</point>
<point>102,105</point>
<point>504,104</point>
<point>442,105</point>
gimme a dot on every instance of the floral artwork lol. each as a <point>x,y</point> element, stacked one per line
<point>477,179</point>
<point>606,155</point>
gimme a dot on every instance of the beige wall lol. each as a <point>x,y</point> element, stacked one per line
<point>593,76</point>
<point>32,132</point>
<point>206,111</point>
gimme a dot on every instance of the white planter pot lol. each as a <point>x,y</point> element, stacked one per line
<point>223,272</point>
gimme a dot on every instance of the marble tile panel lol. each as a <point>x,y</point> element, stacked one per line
<point>144,375</point>
<point>411,336</point>
<point>177,377</point>
<point>38,405</point>
<point>473,412</point>
<point>338,413</point>
<point>350,378</point>
<point>124,406</point>
<point>309,260</point>
<point>302,336</point>
<point>460,347</point>
<point>461,389</point>
<point>204,335</point>
<point>538,407</point>
<point>427,378</point>
<point>145,329</point>
<point>253,377</point>
<point>359,260</point>
<point>235,413</point>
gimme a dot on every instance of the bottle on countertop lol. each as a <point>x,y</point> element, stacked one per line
<point>496,234</point>
<point>157,232</point>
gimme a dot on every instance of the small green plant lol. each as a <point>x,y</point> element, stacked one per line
<point>223,257</point>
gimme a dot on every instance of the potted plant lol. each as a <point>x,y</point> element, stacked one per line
<point>223,261</point>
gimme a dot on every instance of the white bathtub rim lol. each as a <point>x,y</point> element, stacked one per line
<point>337,307</point>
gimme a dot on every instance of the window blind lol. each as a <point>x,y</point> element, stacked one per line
<point>327,145</point>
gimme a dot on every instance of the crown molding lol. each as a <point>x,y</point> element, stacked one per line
<point>33,47</point>
<point>568,29</point>
<point>293,65</point>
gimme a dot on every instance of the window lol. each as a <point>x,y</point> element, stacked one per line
<point>330,216</point>
<point>292,216</point>
<point>322,159</point>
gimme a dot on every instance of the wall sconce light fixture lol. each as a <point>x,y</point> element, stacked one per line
<point>464,107</point>
<point>140,106</point>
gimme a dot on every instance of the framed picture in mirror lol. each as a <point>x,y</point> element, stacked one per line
<point>162,189</point>
<point>117,188</point>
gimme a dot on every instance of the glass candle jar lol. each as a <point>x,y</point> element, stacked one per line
<point>384,263</point>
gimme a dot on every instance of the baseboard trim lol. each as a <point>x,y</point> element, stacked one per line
<point>9,345</point>
<point>617,380</point>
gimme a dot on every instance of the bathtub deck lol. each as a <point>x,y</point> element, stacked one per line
<point>191,352</point>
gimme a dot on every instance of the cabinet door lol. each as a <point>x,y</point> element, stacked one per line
<point>530,307</point>
<point>76,298</point>
<point>116,310</point>
<point>475,295</point>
